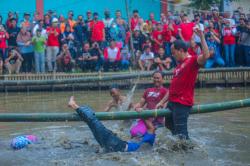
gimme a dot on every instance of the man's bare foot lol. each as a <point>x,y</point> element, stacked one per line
<point>72,103</point>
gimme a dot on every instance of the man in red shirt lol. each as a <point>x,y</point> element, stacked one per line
<point>150,99</point>
<point>186,29</point>
<point>157,37</point>
<point>97,29</point>
<point>181,90</point>
<point>52,45</point>
<point>134,22</point>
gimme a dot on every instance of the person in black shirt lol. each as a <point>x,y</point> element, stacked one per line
<point>162,61</point>
<point>138,40</point>
<point>80,30</point>
<point>90,57</point>
<point>13,32</point>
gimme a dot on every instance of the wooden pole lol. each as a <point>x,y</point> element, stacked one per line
<point>120,115</point>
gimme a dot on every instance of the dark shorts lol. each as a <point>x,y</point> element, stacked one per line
<point>177,121</point>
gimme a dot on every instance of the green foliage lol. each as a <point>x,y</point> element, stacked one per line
<point>203,4</point>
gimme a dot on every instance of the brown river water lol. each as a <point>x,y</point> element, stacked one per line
<point>220,138</point>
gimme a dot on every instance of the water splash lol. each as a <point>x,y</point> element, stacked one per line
<point>125,105</point>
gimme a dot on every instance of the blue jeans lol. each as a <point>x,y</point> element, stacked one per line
<point>229,50</point>
<point>124,64</point>
<point>215,60</point>
<point>106,138</point>
<point>177,121</point>
<point>247,55</point>
<point>40,62</point>
<point>167,48</point>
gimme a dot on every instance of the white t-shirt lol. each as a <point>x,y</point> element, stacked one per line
<point>145,56</point>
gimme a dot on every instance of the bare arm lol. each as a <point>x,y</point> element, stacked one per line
<point>201,60</point>
<point>109,106</point>
<point>163,101</point>
<point>138,106</point>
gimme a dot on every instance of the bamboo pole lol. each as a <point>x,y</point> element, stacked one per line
<point>46,117</point>
<point>108,78</point>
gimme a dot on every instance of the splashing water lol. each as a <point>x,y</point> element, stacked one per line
<point>125,105</point>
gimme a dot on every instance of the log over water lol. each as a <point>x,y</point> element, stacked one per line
<point>47,117</point>
<point>103,78</point>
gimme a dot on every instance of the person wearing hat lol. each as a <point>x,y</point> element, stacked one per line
<point>53,44</point>
<point>39,43</point>
<point>71,21</point>
<point>26,21</point>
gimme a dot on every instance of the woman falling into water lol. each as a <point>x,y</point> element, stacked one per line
<point>118,101</point>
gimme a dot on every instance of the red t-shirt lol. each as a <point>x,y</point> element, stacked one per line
<point>153,96</point>
<point>181,88</point>
<point>229,38</point>
<point>134,22</point>
<point>3,38</point>
<point>187,30</point>
<point>157,35</point>
<point>97,29</point>
<point>166,33</point>
<point>153,22</point>
<point>52,38</point>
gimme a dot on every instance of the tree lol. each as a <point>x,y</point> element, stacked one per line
<point>203,4</point>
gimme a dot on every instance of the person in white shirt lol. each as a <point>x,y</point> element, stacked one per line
<point>146,60</point>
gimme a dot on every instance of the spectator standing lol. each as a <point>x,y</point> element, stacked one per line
<point>229,33</point>
<point>26,22</point>
<point>186,29</point>
<point>13,32</point>
<point>112,57</point>
<point>245,40</point>
<point>135,21</point>
<point>121,25</point>
<point>108,22</point>
<point>71,20</point>
<point>39,43</point>
<point>97,29</point>
<point>40,26</point>
<point>80,31</point>
<point>157,37</point>
<point>4,36</point>
<point>11,16</point>
<point>52,45</point>
<point>26,49</point>
<point>62,23</point>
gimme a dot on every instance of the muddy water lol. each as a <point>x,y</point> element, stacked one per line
<point>221,138</point>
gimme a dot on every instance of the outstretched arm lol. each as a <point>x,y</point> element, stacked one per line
<point>201,60</point>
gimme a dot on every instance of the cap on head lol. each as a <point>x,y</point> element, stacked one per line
<point>54,20</point>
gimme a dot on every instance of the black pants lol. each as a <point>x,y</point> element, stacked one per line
<point>27,62</point>
<point>106,138</point>
<point>177,121</point>
<point>113,65</point>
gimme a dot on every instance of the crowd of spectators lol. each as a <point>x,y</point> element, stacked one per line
<point>90,43</point>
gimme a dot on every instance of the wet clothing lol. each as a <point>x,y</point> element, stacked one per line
<point>181,88</point>
<point>106,138</point>
<point>177,121</point>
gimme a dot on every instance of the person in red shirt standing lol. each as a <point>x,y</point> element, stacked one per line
<point>150,99</point>
<point>181,90</point>
<point>134,22</point>
<point>152,20</point>
<point>97,29</point>
<point>4,36</point>
<point>229,33</point>
<point>157,37</point>
<point>3,46</point>
<point>52,45</point>
<point>186,29</point>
